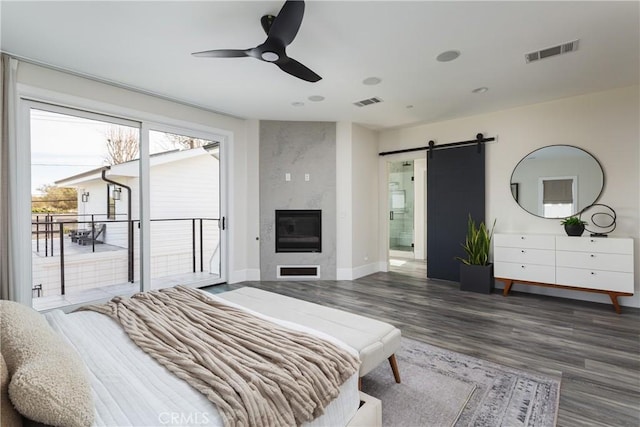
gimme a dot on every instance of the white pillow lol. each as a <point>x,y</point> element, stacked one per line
<point>8,414</point>
<point>48,382</point>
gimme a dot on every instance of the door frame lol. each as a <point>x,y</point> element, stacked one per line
<point>384,208</point>
<point>29,97</point>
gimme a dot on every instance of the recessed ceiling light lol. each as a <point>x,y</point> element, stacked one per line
<point>447,56</point>
<point>371,81</point>
<point>316,98</point>
<point>298,104</point>
<point>482,89</point>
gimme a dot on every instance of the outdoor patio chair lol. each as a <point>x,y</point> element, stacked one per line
<point>88,239</point>
<point>77,234</point>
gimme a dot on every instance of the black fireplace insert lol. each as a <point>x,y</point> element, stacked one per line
<point>298,230</point>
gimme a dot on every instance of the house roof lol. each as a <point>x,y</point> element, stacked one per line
<point>131,168</point>
<point>345,42</point>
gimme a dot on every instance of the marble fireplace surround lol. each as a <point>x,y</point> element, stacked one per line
<point>297,150</point>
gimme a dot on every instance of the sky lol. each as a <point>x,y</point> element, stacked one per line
<point>64,145</point>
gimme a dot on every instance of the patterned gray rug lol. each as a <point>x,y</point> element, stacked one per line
<point>444,388</point>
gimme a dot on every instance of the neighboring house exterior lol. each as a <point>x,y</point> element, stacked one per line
<point>184,185</point>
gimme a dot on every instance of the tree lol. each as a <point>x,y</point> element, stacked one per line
<point>55,199</point>
<point>122,144</point>
<point>182,142</point>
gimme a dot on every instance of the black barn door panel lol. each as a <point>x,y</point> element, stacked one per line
<point>455,189</point>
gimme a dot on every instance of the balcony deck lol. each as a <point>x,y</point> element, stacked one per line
<point>105,293</point>
<point>99,276</point>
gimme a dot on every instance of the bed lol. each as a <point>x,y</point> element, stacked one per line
<point>129,387</point>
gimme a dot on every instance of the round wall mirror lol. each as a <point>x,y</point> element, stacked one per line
<point>557,181</point>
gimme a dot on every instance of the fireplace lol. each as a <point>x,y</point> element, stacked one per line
<point>298,231</point>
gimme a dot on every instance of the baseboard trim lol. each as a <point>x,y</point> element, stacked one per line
<point>357,272</point>
<point>249,274</point>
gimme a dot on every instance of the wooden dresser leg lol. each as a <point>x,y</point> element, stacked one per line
<point>360,383</point>
<point>507,287</point>
<point>394,368</point>
<point>614,301</point>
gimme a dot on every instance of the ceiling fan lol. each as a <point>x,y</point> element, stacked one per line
<point>281,30</point>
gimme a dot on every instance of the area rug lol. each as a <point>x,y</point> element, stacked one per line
<point>444,388</point>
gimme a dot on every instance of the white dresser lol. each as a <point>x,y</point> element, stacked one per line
<point>602,265</point>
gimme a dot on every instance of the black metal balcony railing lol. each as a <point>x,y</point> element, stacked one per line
<point>52,228</point>
<point>48,227</point>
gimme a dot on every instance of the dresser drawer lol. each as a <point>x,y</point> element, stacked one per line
<point>595,279</point>
<point>524,255</point>
<point>595,244</point>
<point>524,241</point>
<point>595,261</point>
<point>528,272</point>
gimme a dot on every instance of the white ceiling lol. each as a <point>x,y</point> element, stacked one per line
<point>147,45</point>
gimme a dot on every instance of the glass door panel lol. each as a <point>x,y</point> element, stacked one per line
<point>84,183</point>
<point>185,219</point>
<point>401,208</point>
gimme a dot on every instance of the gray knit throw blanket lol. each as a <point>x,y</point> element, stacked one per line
<point>256,372</point>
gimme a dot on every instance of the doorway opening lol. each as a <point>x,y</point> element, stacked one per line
<point>407,209</point>
<point>118,207</point>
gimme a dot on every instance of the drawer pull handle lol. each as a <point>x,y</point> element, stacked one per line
<point>523,251</point>
<point>593,274</point>
<point>592,256</point>
<point>522,237</point>
<point>522,266</point>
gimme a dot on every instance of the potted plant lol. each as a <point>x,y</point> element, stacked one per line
<point>476,272</point>
<point>573,225</point>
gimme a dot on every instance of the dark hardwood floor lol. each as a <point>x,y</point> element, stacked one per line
<point>595,351</point>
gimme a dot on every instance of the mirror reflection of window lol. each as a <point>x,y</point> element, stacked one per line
<point>558,197</point>
<point>557,163</point>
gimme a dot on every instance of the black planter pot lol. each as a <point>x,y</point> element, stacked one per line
<point>574,229</point>
<point>476,278</point>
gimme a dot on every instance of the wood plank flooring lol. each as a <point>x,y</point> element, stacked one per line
<point>595,350</point>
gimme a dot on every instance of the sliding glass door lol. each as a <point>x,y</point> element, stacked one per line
<point>97,183</point>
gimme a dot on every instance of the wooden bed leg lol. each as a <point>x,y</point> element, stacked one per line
<point>614,301</point>
<point>360,383</point>
<point>394,368</point>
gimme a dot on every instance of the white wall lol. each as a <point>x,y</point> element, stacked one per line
<point>357,201</point>
<point>85,93</point>
<point>344,196</point>
<point>605,124</point>
<point>420,208</point>
<point>247,164</point>
<point>364,202</point>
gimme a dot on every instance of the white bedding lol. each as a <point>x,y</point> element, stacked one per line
<point>131,389</point>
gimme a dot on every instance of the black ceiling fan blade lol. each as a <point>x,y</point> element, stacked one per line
<point>287,23</point>
<point>298,70</point>
<point>222,53</point>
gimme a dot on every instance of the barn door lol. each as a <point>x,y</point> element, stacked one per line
<point>455,189</point>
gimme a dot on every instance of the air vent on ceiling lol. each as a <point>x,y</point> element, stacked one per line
<point>368,101</point>
<point>552,51</point>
